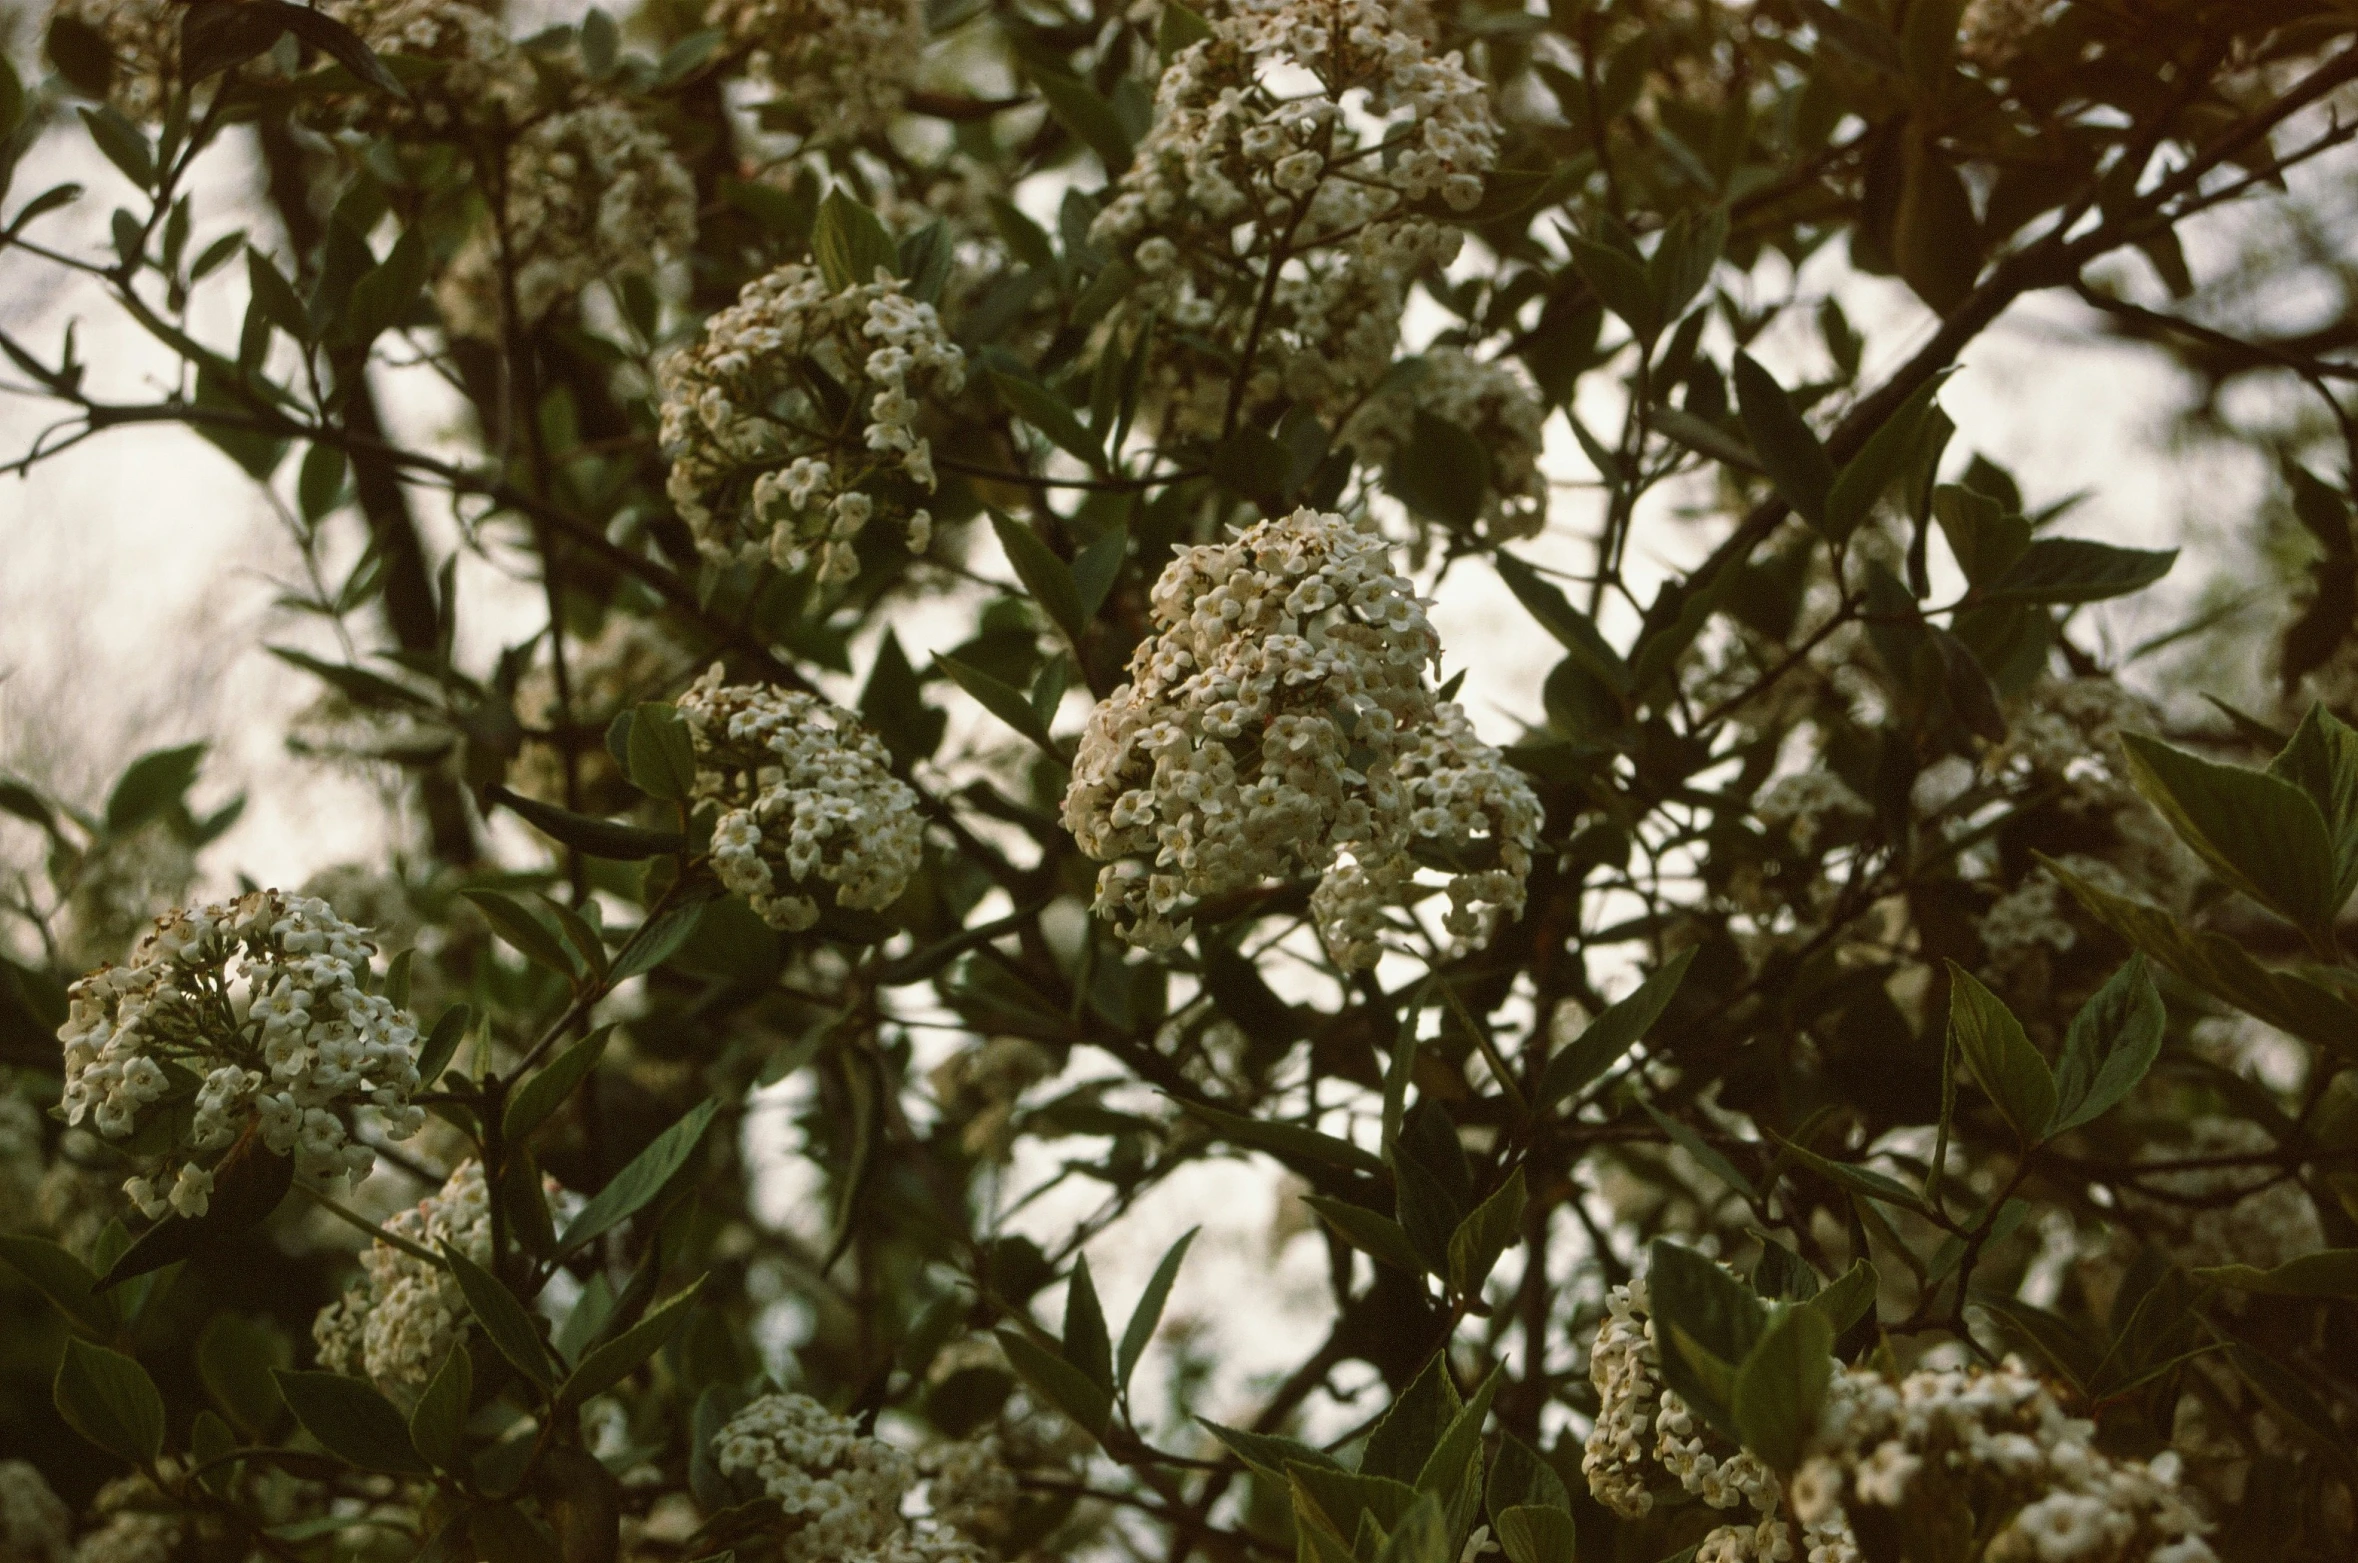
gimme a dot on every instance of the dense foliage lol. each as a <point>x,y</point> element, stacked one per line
<point>1863,1078</point>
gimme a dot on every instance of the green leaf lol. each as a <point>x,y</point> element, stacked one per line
<point>110,1400</point>
<point>1060,1383</point>
<point>1086,1344</point>
<point>442,1043</point>
<point>849,243</point>
<point>505,1320</point>
<point>2009,1068</point>
<point>2113,1041</point>
<point>1782,1383</point>
<point>352,1421</point>
<point>383,295</point>
<point>1441,473</point>
<point>1047,412</point>
<point>1147,1316</point>
<point>151,785</point>
<point>1849,1298</point>
<point>1574,630</point>
<point>1090,118</point>
<point>1268,1453</point>
<point>2321,758</point>
<point>2263,835</point>
<point>1288,1142</point>
<point>1684,259</point>
<point>2073,569</point>
<point>1456,1455</point>
<point>630,1189</point>
<point>609,1364</point>
<point>437,1427</point>
<point>65,1280</point>
<point>663,935</point>
<point>541,1095</point>
<point>2330,1272</point>
<point>1890,451</point>
<point>1484,1235</point>
<point>341,44</point>
<point>516,923</point>
<point>1613,1033</point>
<point>1796,463</point>
<point>1518,1477</point>
<point>123,144</point>
<point>1620,283</point>
<point>1178,29</point>
<point>1412,1427</point>
<point>662,752</point>
<point>1716,1312</point>
<point>604,838</point>
<point>81,55</point>
<point>1936,240</point>
<point>1376,1235</point>
<point>1421,1536</point>
<point>217,35</point>
<point>1705,1155</point>
<point>1535,1533</point>
<point>235,1356</point>
<point>1046,577</point>
<point>1003,700</point>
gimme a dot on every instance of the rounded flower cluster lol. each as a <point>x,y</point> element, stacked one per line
<point>253,1013</point>
<point>840,1491</point>
<point>792,424</point>
<point>807,797</point>
<point>1492,400</point>
<point>1312,139</point>
<point>1280,722</point>
<point>399,1323</point>
<point>1998,1441</point>
<point>840,67</point>
<point>479,80</point>
<point>1807,803</point>
<point>143,38</point>
<point>590,193</point>
<point>35,1524</point>
<point>130,1521</point>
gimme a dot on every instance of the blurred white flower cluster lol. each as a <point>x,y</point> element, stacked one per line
<point>1301,139</point>
<point>131,1522</point>
<point>792,424</point>
<point>840,67</point>
<point>248,1013</point>
<point>480,80</point>
<point>396,1326</point>
<point>35,1524</point>
<point>1491,399</point>
<point>590,193</point>
<point>1279,722</point>
<point>1996,1440</point>
<point>807,796</point>
<point>840,1490</point>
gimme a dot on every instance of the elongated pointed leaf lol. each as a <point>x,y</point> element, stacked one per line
<point>2113,1041</point>
<point>1613,1033</point>
<point>1148,1315</point>
<point>1061,1384</point>
<point>1797,464</point>
<point>635,1185</point>
<point>2009,1068</point>
<point>609,1364</point>
<point>1781,1384</point>
<point>1377,1236</point>
<point>353,1421</point>
<point>505,1320</point>
<point>2261,833</point>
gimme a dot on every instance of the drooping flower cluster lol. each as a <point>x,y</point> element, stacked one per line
<point>1996,1441</point>
<point>397,1325</point>
<point>792,424</point>
<point>1490,399</point>
<point>254,1012</point>
<point>1305,138</point>
<point>840,1491</point>
<point>590,193</point>
<point>807,799</point>
<point>1280,722</point>
<point>840,67</point>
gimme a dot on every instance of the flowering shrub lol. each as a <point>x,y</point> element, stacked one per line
<point>1213,781</point>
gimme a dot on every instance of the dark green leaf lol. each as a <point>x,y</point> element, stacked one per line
<point>1889,452</point>
<point>2009,1068</point>
<point>1086,1343</point>
<point>1411,1428</point>
<point>1289,1142</point>
<point>2321,758</point>
<point>630,1189</point>
<point>849,243</point>
<point>1797,464</point>
<point>235,1356</point>
<point>1611,1034</point>
<point>2261,833</point>
<point>1373,1234</point>
<point>1061,1384</point>
<point>1003,700</point>
<point>1849,1298</point>
<point>1534,1533</point>
<point>1574,630</point>
<point>352,1421</point>
<point>110,1400</point>
<point>65,1280</point>
<point>1047,412</point>
<point>608,1365</point>
<point>1046,577</point>
<point>341,44</point>
<point>541,1095</point>
<point>152,785</point>
<point>437,1426</point>
<point>1716,1311</point>
<point>1268,1453</point>
<point>442,1043</point>
<point>1782,1383</point>
<point>663,935</point>
<point>1088,116</point>
<point>123,144</point>
<point>217,35</point>
<point>662,752</point>
<point>505,1321</point>
<point>2072,569</point>
<point>516,923</point>
<point>2330,1272</point>
<point>80,53</point>
<point>1620,284</point>
<point>2113,1040</point>
<point>1484,1235</point>
<point>1145,1318</point>
<point>1442,472</point>
<point>604,838</point>
<point>382,296</point>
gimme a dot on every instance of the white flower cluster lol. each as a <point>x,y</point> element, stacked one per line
<point>134,1524</point>
<point>1491,399</point>
<point>1279,722</point>
<point>256,1012</point>
<point>1805,803</point>
<point>1300,138</point>
<point>807,797</point>
<point>840,67</point>
<point>35,1524</point>
<point>768,457</point>
<point>840,1490</point>
<point>1998,1440</point>
<point>2002,1438</point>
<point>590,193</point>
<point>969,1487</point>
<point>397,1325</point>
<point>2226,1215</point>
<point>481,79</point>
<point>143,38</point>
